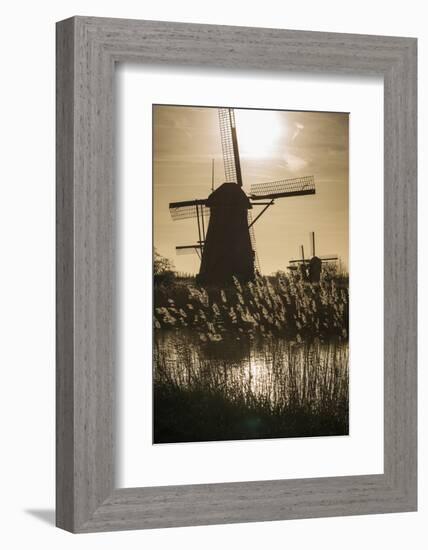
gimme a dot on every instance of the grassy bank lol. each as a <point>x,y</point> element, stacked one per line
<point>184,415</point>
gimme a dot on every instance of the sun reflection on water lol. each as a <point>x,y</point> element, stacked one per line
<point>275,371</point>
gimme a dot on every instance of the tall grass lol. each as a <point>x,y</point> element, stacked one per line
<point>271,388</point>
<point>281,305</point>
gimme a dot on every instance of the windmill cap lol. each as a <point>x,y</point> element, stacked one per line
<point>229,195</point>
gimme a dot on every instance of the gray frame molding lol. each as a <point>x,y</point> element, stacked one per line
<point>87,50</point>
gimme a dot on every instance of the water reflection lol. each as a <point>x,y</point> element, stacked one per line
<point>269,371</point>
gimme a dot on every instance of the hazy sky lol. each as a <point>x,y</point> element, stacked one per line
<point>273,145</point>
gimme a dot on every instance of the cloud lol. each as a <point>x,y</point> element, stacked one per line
<point>298,127</point>
<point>295,163</point>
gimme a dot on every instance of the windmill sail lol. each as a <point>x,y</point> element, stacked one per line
<point>312,239</point>
<point>328,258</point>
<point>253,240</point>
<point>186,210</point>
<point>189,249</point>
<point>325,257</point>
<point>283,188</point>
<point>229,144</point>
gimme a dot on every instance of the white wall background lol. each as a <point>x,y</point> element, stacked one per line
<point>27,272</point>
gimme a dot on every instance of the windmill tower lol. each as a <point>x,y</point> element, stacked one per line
<point>311,268</point>
<point>228,248</point>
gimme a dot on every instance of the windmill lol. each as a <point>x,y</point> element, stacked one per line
<point>227,247</point>
<point>311,267</point>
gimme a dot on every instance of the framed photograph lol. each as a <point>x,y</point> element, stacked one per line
<point>248,345</point>
<point>236,274</point>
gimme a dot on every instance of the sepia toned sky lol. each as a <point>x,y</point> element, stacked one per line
<point>273,145</point>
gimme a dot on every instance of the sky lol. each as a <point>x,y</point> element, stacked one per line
<point>273,145</point>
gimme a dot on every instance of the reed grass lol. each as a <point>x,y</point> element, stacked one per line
<point>270,388</point>
<point>282,305</point>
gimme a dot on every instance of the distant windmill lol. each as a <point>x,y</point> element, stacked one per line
<point>311,267</point>
<point>227,248</point>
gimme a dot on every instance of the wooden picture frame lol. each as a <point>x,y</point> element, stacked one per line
<point>87,50</point>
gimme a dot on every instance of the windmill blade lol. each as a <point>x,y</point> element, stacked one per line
<point>312,241</point>
<point>189,249</point>
<point>322,258</point>
<point>186,210</point>
<point>329,258</point>
<point>253,240</point>
<point>299,261</point>
<point>229,144</point>
<point>283,188</point>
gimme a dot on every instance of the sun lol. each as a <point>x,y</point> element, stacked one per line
<point>259,132</point>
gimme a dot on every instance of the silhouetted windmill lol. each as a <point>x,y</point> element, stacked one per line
<point>311,267</point>
<point>228,248</point>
